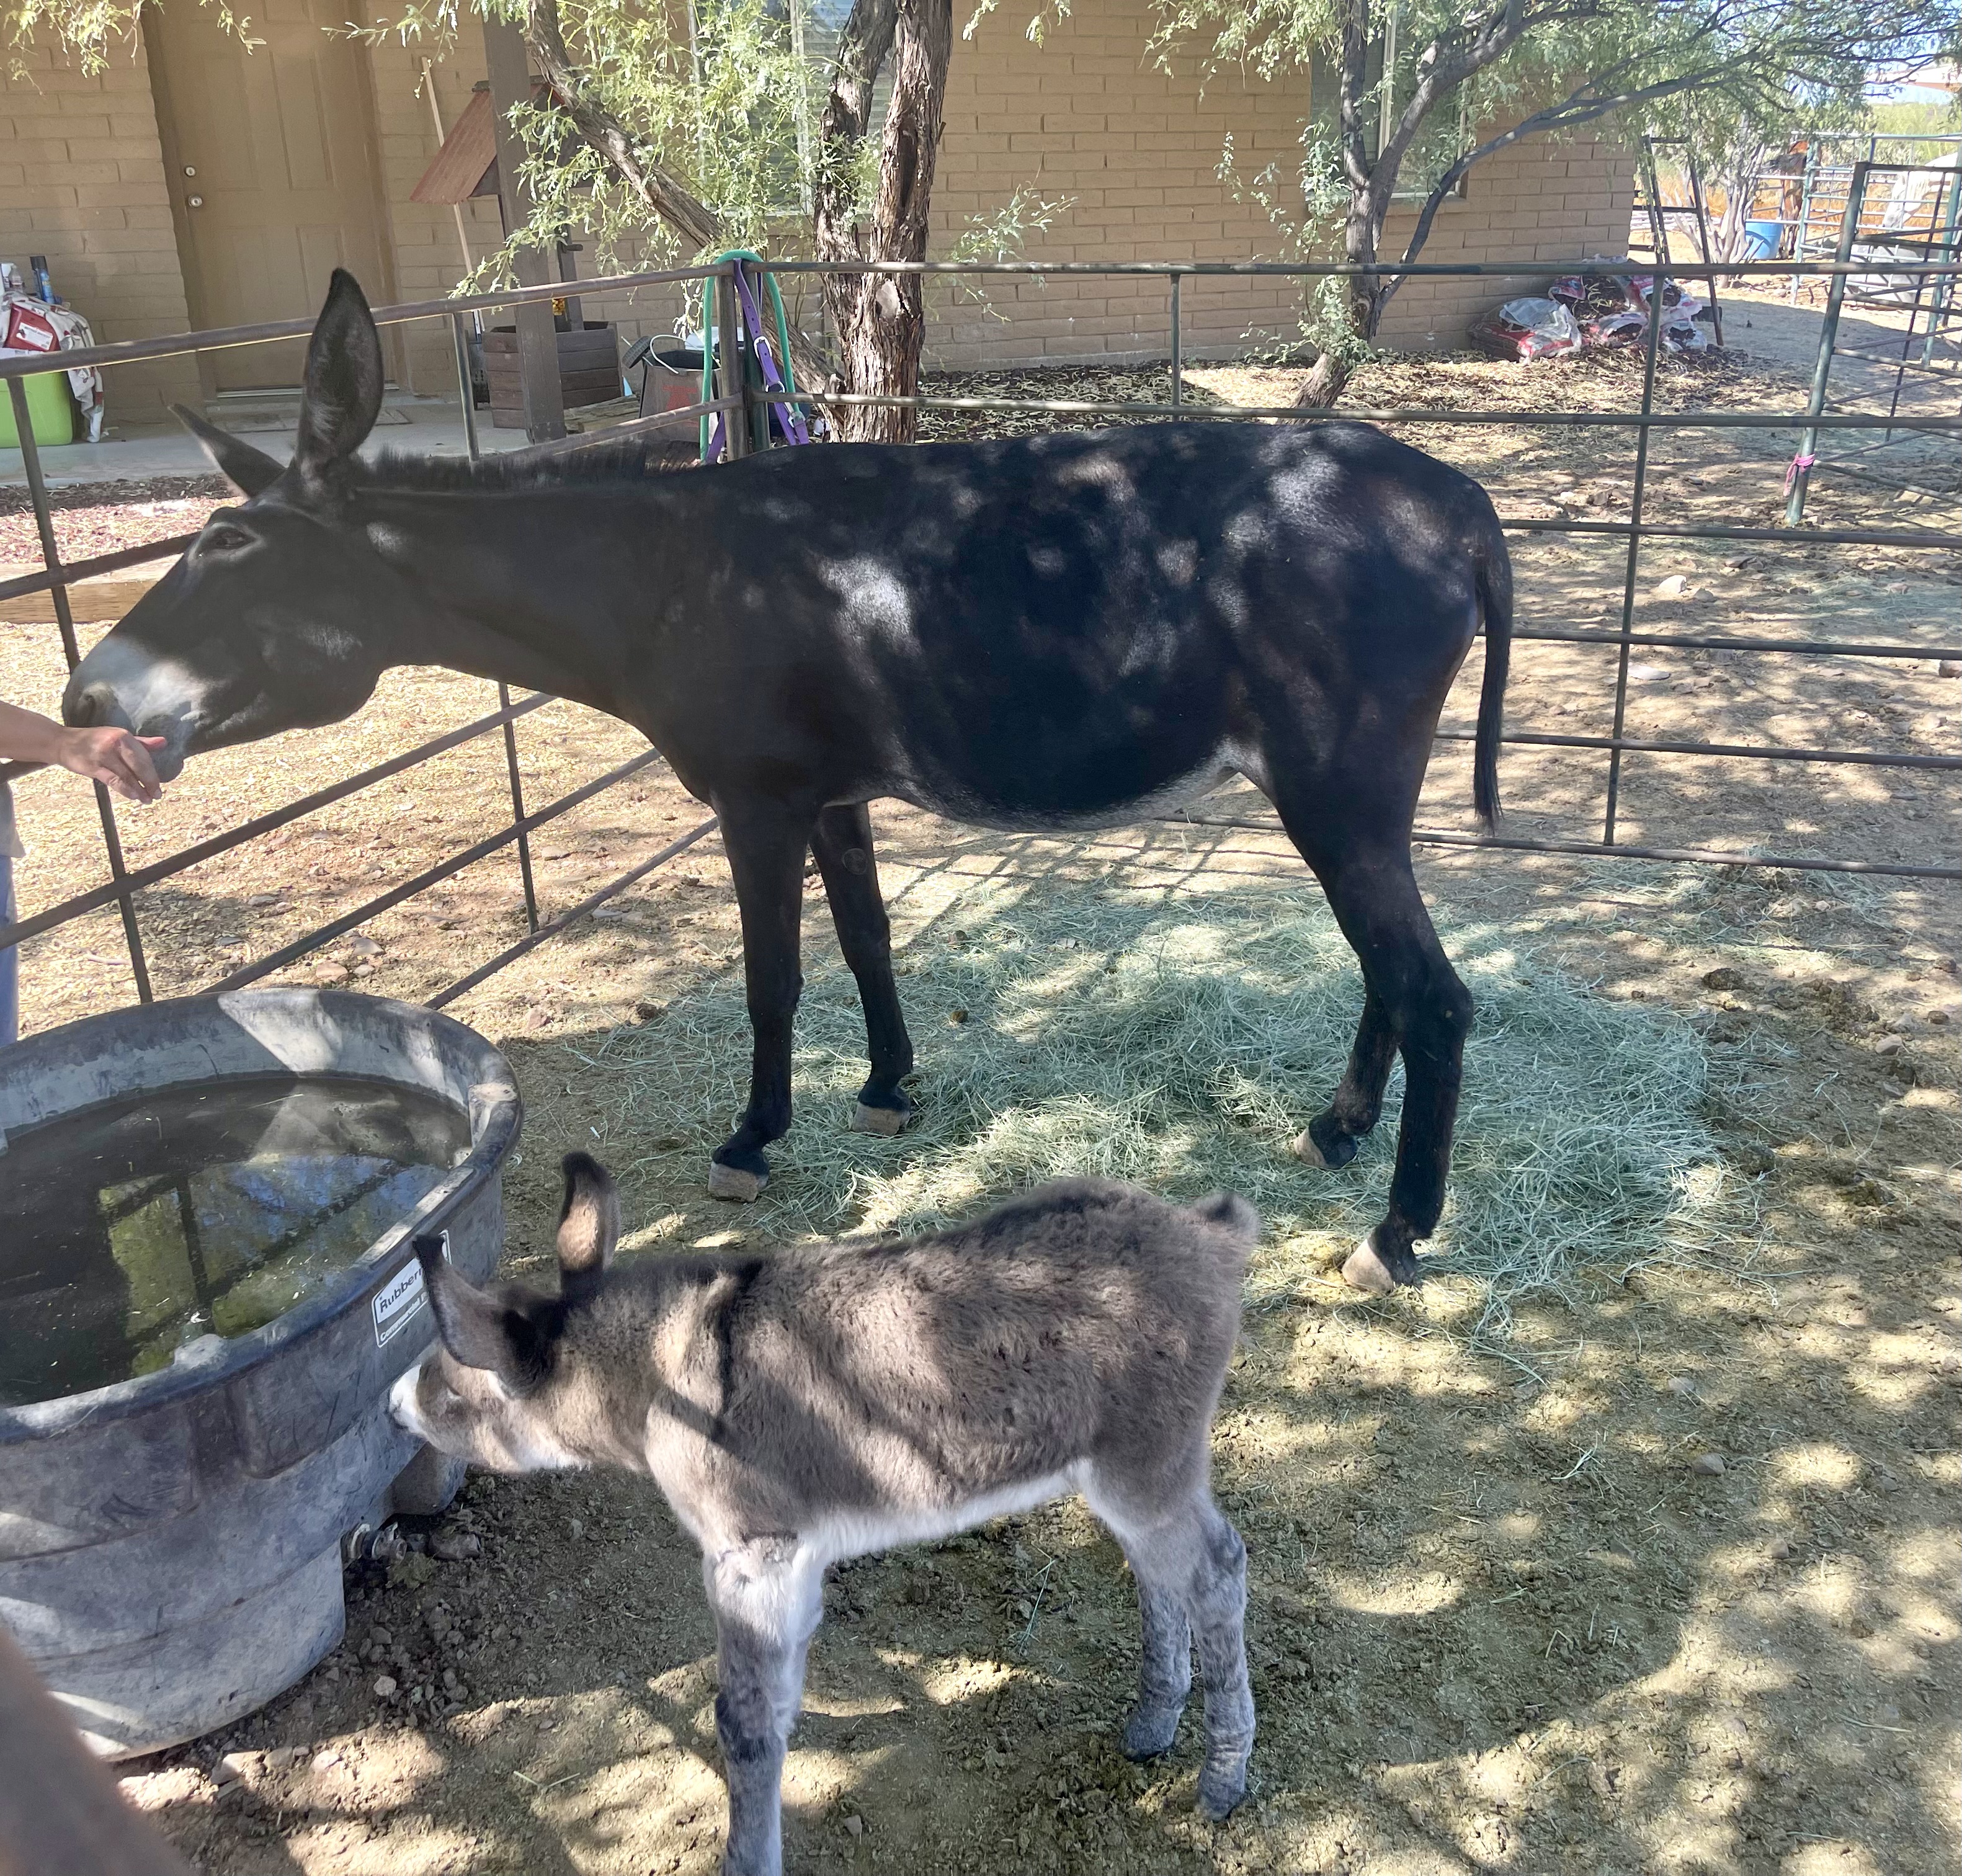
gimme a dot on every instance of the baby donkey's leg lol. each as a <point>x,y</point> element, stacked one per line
<point>1191,1572</point>
<point>1165,1669</point>
<point>766,1610</point>
<point>1217,1599</point>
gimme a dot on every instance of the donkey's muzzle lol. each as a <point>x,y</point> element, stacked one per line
<point>88,706</point>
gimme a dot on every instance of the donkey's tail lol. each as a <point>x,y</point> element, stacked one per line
<point>1495,603</point>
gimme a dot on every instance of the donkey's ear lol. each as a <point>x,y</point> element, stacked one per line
<point>246,469</point>
<point>479,1331</point>
<point>343,393</point>
<point>588,1226</point>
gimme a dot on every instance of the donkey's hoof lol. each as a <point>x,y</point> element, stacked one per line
<point>887,1120</point>
<point>1220,1792</point>
<point>1366,1271</point>
<point>732,1182</point>
<point>1150,1731</point>
<point>1332,1157</point>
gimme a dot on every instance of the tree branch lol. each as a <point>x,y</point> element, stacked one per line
<point>1355,56</point>
<point>1578,108</point>
<point>663,192</point>
<point>864,45</point>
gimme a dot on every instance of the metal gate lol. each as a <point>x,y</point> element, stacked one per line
<point>1935,273</point>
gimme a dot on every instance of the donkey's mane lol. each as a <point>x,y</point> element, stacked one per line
<point>630,459</point>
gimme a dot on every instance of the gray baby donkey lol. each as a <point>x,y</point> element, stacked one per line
<point>824,1400</point>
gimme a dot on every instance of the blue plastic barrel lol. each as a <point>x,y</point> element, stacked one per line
<point>1762,239</point>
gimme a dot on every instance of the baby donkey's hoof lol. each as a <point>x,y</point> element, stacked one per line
<point>1150,1730</point>
<point>1221,1786</point>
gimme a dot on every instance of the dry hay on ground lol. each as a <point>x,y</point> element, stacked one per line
<point>1182,1044</point>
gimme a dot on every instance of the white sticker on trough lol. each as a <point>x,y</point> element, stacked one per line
<point>397,1302</point>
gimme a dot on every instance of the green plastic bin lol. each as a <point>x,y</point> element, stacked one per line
<point>50,410</point>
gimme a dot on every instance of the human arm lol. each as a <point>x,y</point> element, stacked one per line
<point>114,757</point>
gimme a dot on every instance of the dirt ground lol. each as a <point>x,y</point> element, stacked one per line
<point>1499,1620</point>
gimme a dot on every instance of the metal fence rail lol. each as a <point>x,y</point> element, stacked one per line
<point>124,884</point>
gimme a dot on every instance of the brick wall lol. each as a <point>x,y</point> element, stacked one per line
<point>1088,115</point>
<point>422,237</point>
<point>1538,201</point>
<point>81,180</point>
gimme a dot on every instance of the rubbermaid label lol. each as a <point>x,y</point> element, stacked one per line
<point>399,1300</point>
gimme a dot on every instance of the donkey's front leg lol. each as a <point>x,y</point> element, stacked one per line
<point>766,842</point>
<point>766,1609</point>
<point>1165,1670</point>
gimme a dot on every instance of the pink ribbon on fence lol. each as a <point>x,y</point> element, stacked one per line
<point>1799,464</point>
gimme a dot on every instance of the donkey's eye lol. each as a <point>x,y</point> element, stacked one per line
<point>225,540</point>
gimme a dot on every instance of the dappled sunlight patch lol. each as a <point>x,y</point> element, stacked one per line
<point>1517,1527</point>
<point>949,1682</point>
<point>1893,1371</point>
<point>1815,1466</point>
<point>1932,1557</point>
<point>1830,1856</point>
<point>1401,1593</point>
<point>1835,1591</point>
<point>437,1852</point>
<point>665,1226</point>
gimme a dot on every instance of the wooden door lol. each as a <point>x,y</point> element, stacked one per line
<point>271,162</point>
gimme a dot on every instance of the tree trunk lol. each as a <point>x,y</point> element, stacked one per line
<point>1737,174</point>
<point>1369,184</point>
<point>1362,310</point>
<point>880,318</point>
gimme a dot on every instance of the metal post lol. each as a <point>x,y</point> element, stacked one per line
<point>518,809</point>
<point>1922,284</point>
<point>1635,551</point>
<point>1703,238</point>
<point>1828,332</point>
<point>509,68</point>
<point>1944,285</point>
<point>1658,226</point>
<point>112,842</point>
<point>1177,345</point>
<point>1805,194</point>
<point>732,375</point>
<point>464,387</point>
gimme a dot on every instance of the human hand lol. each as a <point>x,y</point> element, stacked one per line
<point>115,758</point>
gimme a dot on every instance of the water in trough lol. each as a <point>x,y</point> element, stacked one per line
<point>208,1209</point>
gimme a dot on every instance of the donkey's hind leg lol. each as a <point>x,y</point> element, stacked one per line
<point>1413,1001</point>
<point>1330,1139</point>
<point>842,844</point>
<point>1191,1572</point>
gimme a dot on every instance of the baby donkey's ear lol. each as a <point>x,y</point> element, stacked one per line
<point>588,1226</point>
<point>485,1331</point>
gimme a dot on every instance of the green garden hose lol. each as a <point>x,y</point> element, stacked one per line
<point>709,335</point>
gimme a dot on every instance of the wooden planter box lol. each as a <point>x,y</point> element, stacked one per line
<point>589,370</point>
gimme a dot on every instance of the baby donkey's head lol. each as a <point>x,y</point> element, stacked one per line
<point>506,1385</point>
